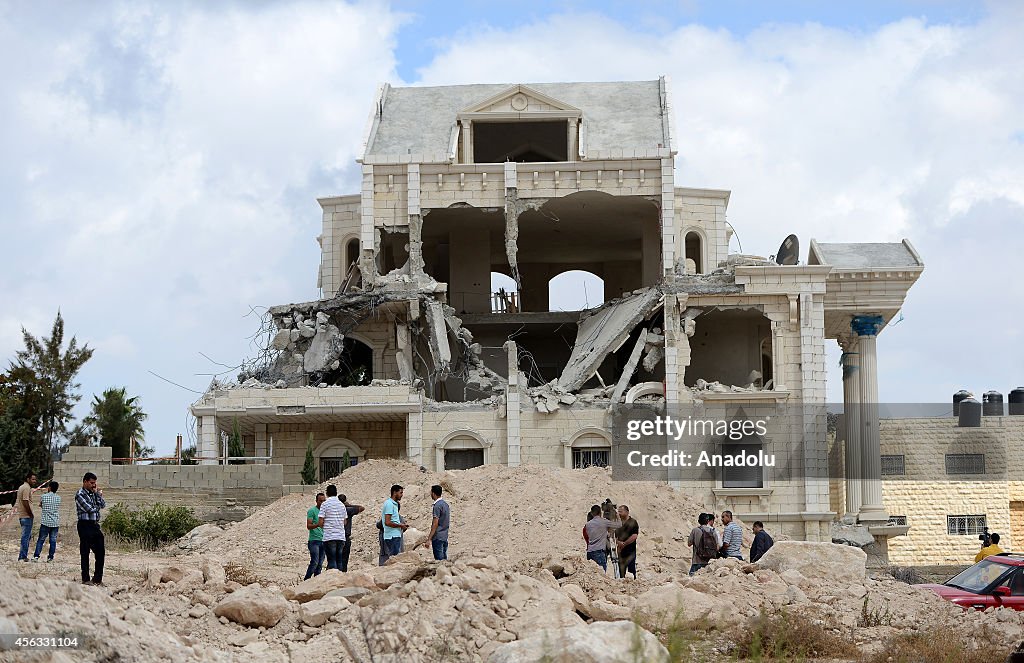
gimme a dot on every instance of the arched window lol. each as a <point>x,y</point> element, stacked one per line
<point>330,456</point>
<point>694,251</point>
<point>351,252</point>
<point>461,450</point>
<point>589,447</point>
<point>575,290</point>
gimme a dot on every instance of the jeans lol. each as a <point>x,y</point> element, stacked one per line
<point>90,538</point>
<point>316,558</point>
<point>696,567</point>
<point>599,556</point>
<point>44,532</point>
<point>440,549</point>
<point>394,546</point>
<point>26,536</point>
<point>382,558</point>
<point>345,550</point>
<point>333,550</point>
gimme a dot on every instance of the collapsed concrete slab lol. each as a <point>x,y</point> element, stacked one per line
<point>603,332</point>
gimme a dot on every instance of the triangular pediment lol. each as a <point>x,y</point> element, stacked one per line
<point>520,99</point>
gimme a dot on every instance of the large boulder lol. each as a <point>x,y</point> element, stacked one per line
<point>600,642</point>
<point>316,613</point>
<point>538,605</point>
<point>318,586</point>
<point>395,574</point>
<point>252,606</point>
<point>825,561</point>
<point>667,604</point>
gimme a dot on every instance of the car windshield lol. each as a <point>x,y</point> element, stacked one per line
<point>978,577</point>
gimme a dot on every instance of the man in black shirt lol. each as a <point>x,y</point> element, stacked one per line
<point>352,510</point>
<point>626,542</point>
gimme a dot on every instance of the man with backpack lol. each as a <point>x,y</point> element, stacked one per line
<point>704,543</point>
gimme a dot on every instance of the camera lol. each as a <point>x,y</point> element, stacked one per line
<point>985,538</point>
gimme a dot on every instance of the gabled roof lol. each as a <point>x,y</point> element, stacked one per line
<point>420,121</point>
<point>513,95</point>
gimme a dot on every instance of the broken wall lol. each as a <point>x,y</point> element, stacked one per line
<point>341,221</point>
<point>379,439</point>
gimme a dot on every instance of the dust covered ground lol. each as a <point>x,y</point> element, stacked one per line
<point>517,588</point>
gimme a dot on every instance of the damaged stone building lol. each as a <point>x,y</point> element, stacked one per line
<point>411,353</point>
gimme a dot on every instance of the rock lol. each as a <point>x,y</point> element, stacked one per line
<point>490,562</point>
<point>795,595</point>
<point>668,603</point>
<point>316,613</point>
<point>243,638</point>
<point>603,611</point>
<point>172,573</point>
<point>281,339</point>
<point>199,538</point>
<point>397,574</point>
<point>252,606</point>
<point>825,561</point>
<point>203,598</point>
<point>213,572</point>
<point>407,557</point>
<point>318,586</point>
<point>198,611</point>
<point>851,535</point>
<point>579,599</point>
<point>353,594</point>
<point>586,643</point>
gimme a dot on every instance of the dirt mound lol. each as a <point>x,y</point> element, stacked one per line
<point>521,514</point>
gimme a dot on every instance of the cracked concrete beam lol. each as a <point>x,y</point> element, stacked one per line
<point>629,369</point>
<point>404,353</point>
<point>439,347</point>
<point>604,332</point>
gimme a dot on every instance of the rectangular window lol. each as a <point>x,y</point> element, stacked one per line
<point>742,477</point>
<point>582,458</point>
<point>898,521</point>
<point>894,465</point>
<point>966,525</point>
<point>498,142</point>
<point>965,463</point>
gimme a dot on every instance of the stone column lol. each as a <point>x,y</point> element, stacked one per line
<point>851,410</point>
<point>414,438</point>
<point>209,439</point>
<point>866,327</point>
<point>512,431</point>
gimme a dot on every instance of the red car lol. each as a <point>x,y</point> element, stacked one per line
<point>994,582</point>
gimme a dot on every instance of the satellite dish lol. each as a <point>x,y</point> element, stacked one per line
<point>789,252</point>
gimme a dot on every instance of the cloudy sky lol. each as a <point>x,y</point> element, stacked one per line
<point>159,162</point>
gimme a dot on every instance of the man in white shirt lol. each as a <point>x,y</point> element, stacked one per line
<point>332,518</point>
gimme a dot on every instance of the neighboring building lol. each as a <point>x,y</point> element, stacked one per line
<point>411,354</point>
<point>948,483</point>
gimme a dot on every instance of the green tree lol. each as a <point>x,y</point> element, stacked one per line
<point>21,446</point>
<point>346,461</point>
<point>309,467</point>
<point>236,447</point>
<point>48,369</point>
<point>116,419</point>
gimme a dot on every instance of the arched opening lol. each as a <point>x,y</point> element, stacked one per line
<point>504,294</point>
<point>694,250</point>
<point>351,252</point>
<point>589,447</point>
<point>354,365</point>
<point>575,290</point>
<point>461,450</point>
<point>330,456</point>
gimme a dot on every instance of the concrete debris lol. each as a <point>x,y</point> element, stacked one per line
<point>602,332</point>
<point>629,369</point>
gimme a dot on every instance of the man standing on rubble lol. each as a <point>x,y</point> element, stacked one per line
<point>391,520</point>
<point>762,542</point>
<point>441,517</point>
<point>316,538</point>
<point>704,543</point>
<point>596,534</point>
<point>351,510</point>
<point>23,505</point>
<point>332,518</point>
<point>626,537</point>
<point>732,537</point>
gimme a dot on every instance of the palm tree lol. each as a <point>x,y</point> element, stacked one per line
<point>116,418</point>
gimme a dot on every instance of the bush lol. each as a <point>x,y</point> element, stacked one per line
<point>150,526</point>
<point>788,636</point>
<point>938,645</point>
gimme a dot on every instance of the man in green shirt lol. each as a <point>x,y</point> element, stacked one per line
<point>316,538</point>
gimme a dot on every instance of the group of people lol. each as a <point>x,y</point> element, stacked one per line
<point>709,543</point>
<point>88,504</point>
<point>706,540</point>
<point>626,531</point>
<point>329,523</point>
